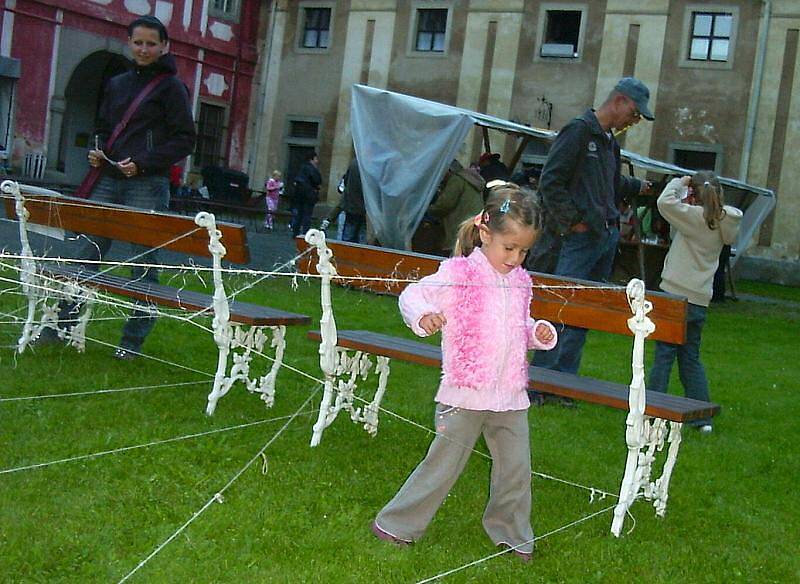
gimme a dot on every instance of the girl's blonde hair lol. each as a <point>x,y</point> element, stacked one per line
<point>505,204</point>
<point>276,174</point>
<point>708,193</point>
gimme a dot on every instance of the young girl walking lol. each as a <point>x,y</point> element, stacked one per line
<point>701,225</point>
<point>480,301</point>
<point>274,188</point>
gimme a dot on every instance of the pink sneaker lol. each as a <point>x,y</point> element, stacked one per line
<point>524,556</point>
<point>388,537</point>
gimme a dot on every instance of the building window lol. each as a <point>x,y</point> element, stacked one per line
<point>711,36</point>
<point>302,138</point>
<point>316,28</point>
<point>224,8</point>
<point>562,30</point>
<point>6,115</point>
<point>696,156</point>
<point>210,135</point>
<point>431,30</point>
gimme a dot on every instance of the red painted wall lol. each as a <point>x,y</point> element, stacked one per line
<point>33,36</point>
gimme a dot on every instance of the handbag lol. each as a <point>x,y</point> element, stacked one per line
<point>84,190</point>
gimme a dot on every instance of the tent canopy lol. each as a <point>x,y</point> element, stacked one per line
<point>404,145</point>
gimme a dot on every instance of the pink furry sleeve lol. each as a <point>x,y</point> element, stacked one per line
<point>424,297</point>
<point>533,342</point>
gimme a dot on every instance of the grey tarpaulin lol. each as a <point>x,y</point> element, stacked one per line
<point>403,145</point>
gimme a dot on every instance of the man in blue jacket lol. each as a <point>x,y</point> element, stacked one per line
<point>581,187</point>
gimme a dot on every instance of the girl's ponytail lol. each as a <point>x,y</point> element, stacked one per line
<point>708,192</point>
<point>468,236</point>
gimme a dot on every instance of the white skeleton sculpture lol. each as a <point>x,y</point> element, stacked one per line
<point>44,293</point>
<point>335,362</point>
<point>644,435</point>
<point>235,338</point>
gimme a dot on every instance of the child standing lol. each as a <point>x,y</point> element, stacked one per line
<point>702,225</point>
<point>480,300</point>
<point>274,188</point>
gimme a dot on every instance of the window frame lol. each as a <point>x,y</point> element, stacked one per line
<point>232,15</point>
<point>688,27</point>
<point>717,149</point>
<point>546,7</point>
<point>301,26</point>
<point>223,136</point>
<point>413,28</point>
<point>8,115</point>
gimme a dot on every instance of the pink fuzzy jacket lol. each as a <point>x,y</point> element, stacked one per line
<point>488,332</point>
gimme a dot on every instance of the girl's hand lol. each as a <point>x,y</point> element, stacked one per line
<point>433,322</point>
<point>543,333</point>
<point>686,180</point>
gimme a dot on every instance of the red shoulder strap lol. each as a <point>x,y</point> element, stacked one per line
<point>86,186</point>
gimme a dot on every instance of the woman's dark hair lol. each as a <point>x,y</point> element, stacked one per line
<point>150,22</point>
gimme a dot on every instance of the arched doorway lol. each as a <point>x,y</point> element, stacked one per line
<point>82,100</point>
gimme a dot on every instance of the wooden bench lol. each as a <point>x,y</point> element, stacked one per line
<point>571,301</point>
<point>659,405</point>
<point>238,326</point>
<point>561,300</point>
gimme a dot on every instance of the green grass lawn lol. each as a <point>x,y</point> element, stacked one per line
<point>303,514</point>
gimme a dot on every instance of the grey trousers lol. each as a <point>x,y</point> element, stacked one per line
<point>507,518</point>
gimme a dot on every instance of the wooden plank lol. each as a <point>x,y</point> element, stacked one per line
<point>148,228</point>
<point>615,395</point>
<point>240,312</point>
<point>584,304</point>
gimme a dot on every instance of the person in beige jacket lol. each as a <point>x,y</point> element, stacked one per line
<point>701,224</point>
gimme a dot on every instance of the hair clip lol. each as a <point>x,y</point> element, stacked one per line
<point>505,206</point>
<point>706,184</point>
<point>478,219</point>
<point>496,183</point>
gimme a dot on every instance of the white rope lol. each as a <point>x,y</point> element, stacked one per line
<point>146,445</point>
<point>218,495</point>
<point>507,550</point>
<point>102,391</point>
<point>268,273</point>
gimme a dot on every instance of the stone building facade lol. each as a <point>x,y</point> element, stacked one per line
<point>724,77</point>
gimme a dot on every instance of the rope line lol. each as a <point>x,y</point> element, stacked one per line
<point>101,391</point>
<point>509,549</point>
<point>146,445</point>
<point>268,273</point>
<point>218,495</point>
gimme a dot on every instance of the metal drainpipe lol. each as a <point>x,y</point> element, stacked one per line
<point>755,91</point>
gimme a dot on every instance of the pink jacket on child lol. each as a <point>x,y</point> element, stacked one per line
<point>488,332</point>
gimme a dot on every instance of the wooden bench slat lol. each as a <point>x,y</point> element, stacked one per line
<point>586,305</point>
<point>240,312</point>
<point>615,395</point>
<point>135,226</point>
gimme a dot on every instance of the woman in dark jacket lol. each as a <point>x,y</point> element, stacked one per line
<point>135,167</point>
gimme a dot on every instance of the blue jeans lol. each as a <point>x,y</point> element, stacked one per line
<point>690,368</point>
<point>589,256</point>
<point>302,213</point>
<point>140,192</point>
<point>355,228</point>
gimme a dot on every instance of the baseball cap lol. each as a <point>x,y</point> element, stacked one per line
<point>638,92</point>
